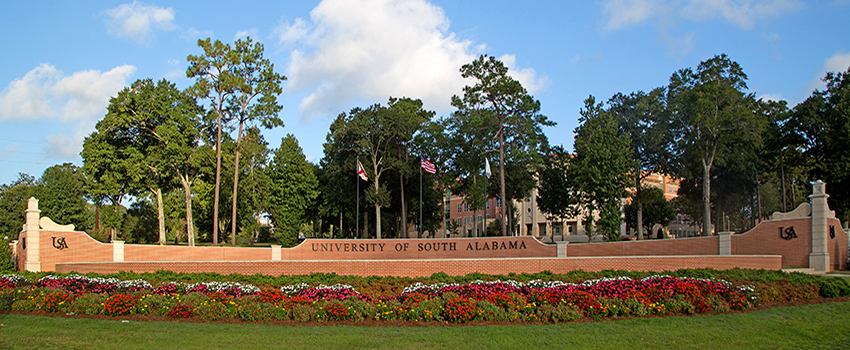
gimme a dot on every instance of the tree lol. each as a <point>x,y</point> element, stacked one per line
<point>555,192</point>
<point>149,132</point>
<point>294,189</point>
<point>256,184</point>
<point>13,205</point>
<point>242,86</point>
<point>711,119</point>
<point>500,103</point>
<point>599,173</point>
<point>824,121</point>
<point>642,117</point>
<point>408,118</point>
<point>61,196</point>
<point>656,209</point>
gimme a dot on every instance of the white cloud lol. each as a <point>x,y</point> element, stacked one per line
<point>46,93</point>
<point>772,97</point>
<point>742,13</point>
<point>526,76</point>
<point>838,62</point>
<point>79,99</point>
<point>287,33</point>
<point>192,34</point>
<point>369,50</point>
<point>242,34</point>
<point>624,13</point>
<point>63,146</point>
<point>137,20</point>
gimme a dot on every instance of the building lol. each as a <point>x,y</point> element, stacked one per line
<point>531,221</point>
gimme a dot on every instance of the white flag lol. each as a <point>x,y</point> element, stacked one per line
<point>487,172</point>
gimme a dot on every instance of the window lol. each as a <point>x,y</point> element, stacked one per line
<point>479,217</point>
<point>458,207</point>
<point>498,202</point>
<point>487,206</point>
<point>459,222</point>
<point>465,220</point>
<point>557,230</point>
<point>465,206</point>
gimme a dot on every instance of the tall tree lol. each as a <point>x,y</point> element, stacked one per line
<point>642,117</point>
<point>149,131</point>
<point>710,115</point>
<point>500,103</point>
<point>242,86</point>
<point>294,189</point>
<point>824,120</point>
<point>599,173</point>
<point>408,118</point>
<point>61,194</point>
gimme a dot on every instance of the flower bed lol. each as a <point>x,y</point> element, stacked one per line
<point>493,301</point>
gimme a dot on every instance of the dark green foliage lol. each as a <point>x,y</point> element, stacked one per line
<point>293,189</point>
<point>13,204</point>
<point>833,287</point>
<point>656,209</point>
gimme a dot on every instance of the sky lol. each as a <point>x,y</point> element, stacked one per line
<point>63,60</point>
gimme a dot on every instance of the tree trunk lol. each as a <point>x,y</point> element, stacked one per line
<point>217,177</point>
<point>190,226</point>
<point>639,209</point>
<point>502,181</point>
<point>404,231</point>
<point>235,185</point>
<point>160,211</point>
<point>782,170</point>
<point>706,198</point>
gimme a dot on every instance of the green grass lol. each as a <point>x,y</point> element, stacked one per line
<point>800,327</point>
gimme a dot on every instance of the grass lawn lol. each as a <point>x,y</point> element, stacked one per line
<point>800,327</point>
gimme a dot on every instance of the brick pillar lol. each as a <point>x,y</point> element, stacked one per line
<point>32,236</point>
<point>275,252</point>
<point>819,257</point>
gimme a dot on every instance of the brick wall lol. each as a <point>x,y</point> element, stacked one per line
<point>680,246</point>
<point>421,268</point>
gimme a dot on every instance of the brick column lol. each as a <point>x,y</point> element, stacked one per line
<point>819,257</point>
<point>725,244</point>
<point>32,236</point>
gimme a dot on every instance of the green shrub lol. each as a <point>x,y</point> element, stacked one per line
<point>156,304</point>
<point>194,299</point>
<point>262,312</point>
<point>9,296</point>
<point>26,304</point>
<point>88,304</point>
<point>212,310</point>
<point>557,313</point>
<point>833,287</point>
<point>303,313</point>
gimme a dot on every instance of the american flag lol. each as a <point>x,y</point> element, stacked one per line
<point>428,166</point>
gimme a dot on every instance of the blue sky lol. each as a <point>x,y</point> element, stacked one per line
<point>63,60</point>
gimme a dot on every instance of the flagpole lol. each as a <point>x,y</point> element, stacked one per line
<point>357,178</point>
<point>419,232</point>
